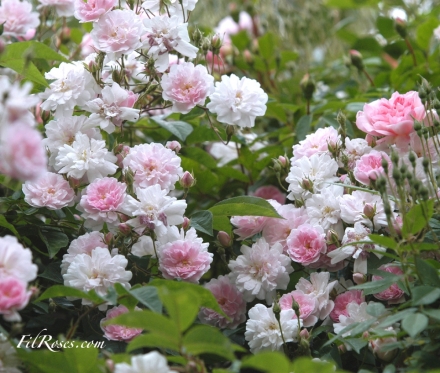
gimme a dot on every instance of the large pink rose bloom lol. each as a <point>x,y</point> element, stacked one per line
<point>343,300</point>
<point>13,297</point>
<point>369,167</point>
<point>118,332</point>
<point>18,19</point>
<point>187,258</point>
<point>392,120</point>
<point>307,304</point>
<point>153,164</point>
<point>50,190</point>
<point>22,154</point>
<point>306,243</point>
<point>118,32</point>
<point>92,10</point>
<point>231,302</point>
<point>393,294</point>
<point>187,86</point>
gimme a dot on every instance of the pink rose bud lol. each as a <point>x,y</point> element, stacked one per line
<point>173,145</point>
<point>398,224</point>
<point>369,211</point>
<point>342,349</point>
<point>393,294</point>
<point>124,228</point>
<point>77,217</point>
<point>378,346</point>
<point>356,59</point>
<point>74,183</point>
<point>187,180</point>
<point>108,237</point>
<point>247,56</point>
<point>186,223</point>
<point>224,239</point>
<point>304,334</point>
<point>110,365</point>
<point>282,160</point>
<point>365,335</point>
<point>124,217</point>
<point>359,278</point>
<point>2,45</point>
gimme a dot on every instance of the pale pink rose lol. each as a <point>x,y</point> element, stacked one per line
<point>307,305</point>
<point>50,191</point>
<point>18,18</point>
<point>342,301</point>
<point>316,143</point>
<point>392,120</point>
<point>153,164</point>
<point>92,10</point>
<point>231,302</point>
<point>87,46</point>
<point>22,154</point>
<point>13,297</point>
<point>379,346</point>
<point>186,258</point>
<point>270,192</point>
<point>393,294</point>
<point>186,86</point>
<point>118,332</point>
<point>102,200</point>
<point>174,146</point>
<point>248,226</point>
<point>369,167</point>
<point>277,230</point>
<point>306,243</point>
<point>118,32</point>
<point>121,152</point>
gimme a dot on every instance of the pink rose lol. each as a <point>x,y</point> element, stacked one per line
<point>13,297</point>
<point>325,262</point>
<point>186,86</point>
<point>92,10</point>
<point>306,243</point>
<point>343,300</point>
<point>270,192</point>
<point>231,302</point>
<point>392,120</point>
<point>369,166</point>
<point>22,154</point>
<point>393,294</point>
<point>307,306</point>
<point>118,332</point>
<point>247,226</point>
<point>50,190</point>
<point>18,19</point>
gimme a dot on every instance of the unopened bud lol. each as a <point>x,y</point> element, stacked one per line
<point>197,36</point>
<point>304,334</point>
<point>276,308</point>
<point>224,239</point>
<point>400,27</point>
<point>307,86</point>
<point>108,238</point>
<point>216,44</point>
<point>295,307</point>
<point>342,349</point>
<point>109,363</point>
<point>248,56</point>
<point>2,28</point>
<point>283,161</point>
<point>124,228</point>
<point>74,183</point>
<point>205,45</point>
<point>2,45</point>
<point>35,292</point>
<point>230,130</point>
<point>174,146</point>
<point>369,211</point>
<point>332,237</point>
<point>356,59</point>
<point>359,278</point>
<point>186,223</point>
<point>365,335</point>
<point>187,180</point>
<point>307,185</point>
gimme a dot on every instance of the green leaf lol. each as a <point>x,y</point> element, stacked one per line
<point>376,309</point>
<point>156,340</point>
<point>202,221</point>
<point>374,287</point>
<point>178,128</point>
<point>428,275</point>
<point>5,224</point>
<point>222,223</point>
<point>182,305</point>
<point>414,324</point>
<point>54,241</point>
<point>268,362</point>
<point>390,320</point>
<point>53,273</point>
<point>66,291</point>
<point>435,314</point>
<point>244,206</point>
<point>423,295</point>
<point>204,339</point>
<point>267,44</point>
<point>417,218</point>
<point>425,31</point>
<point>384,241</point>
<point>152,322</point>
<point>125,297</point>
<point>303,127</point>
<point>149,297</point>
<point>356,343</point>
<point>200,156</point>
<point>241,40</point>
<point>205,297</point>
<point>385,26</point>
